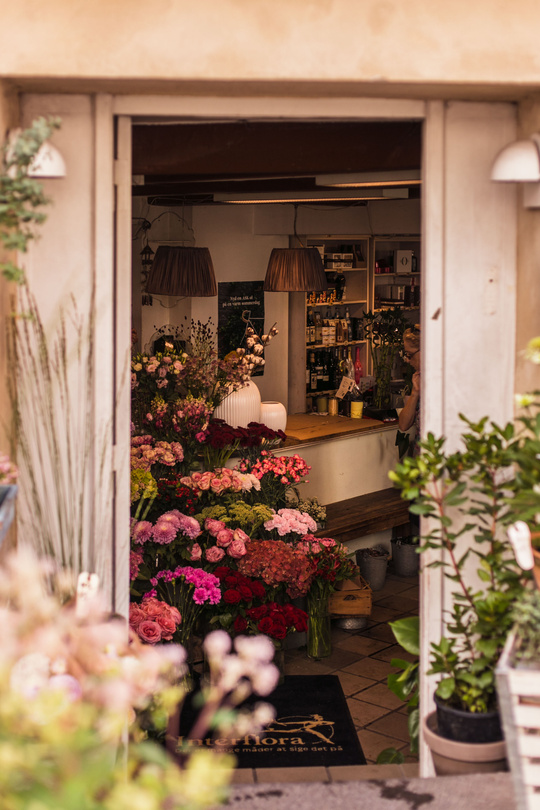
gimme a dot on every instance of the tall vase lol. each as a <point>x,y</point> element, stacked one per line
<point>241,407</point>
<point>319,636</point>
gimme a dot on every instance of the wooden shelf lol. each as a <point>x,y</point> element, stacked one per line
<point>334,345</point>
<point>402,275</point>
<point>343,303</point>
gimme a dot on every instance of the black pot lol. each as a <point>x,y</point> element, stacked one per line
<point>470,727</point>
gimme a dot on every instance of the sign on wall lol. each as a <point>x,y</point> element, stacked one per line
<point>235,298</point>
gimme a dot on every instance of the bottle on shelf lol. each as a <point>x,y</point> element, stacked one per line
<point>356,403</point>
<point>310,334</point>
<point>313,374</point>
<point>349,326</point>
<point>326,373</point>
<point>318,328</point>
<point>349,365</point>
<point>358,367</point>
<point>319,372</point>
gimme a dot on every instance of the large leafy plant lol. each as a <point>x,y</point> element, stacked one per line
<point>384,330</point>
<point>468,495</point>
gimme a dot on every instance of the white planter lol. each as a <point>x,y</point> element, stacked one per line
<point>273,415</point>
<point>241,407</point>
<point>518,691</point>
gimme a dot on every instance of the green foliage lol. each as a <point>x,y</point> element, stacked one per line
<point>21,196</point>
<point>384,330</point>
<point>467,496</point>
<point>526,619</point>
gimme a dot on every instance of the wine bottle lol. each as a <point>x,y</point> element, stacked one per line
<point>313,374</point>
<point>358,368</point>
<point>356,403</point>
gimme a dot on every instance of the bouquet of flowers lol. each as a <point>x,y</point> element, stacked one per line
<point>256,438</point>
<point>310,505</point>
<point>277,475</point>
<point>217,542</point>
<point>72,682</point>
<point>290,521</point>
<point>274,620</point>
<point>153,375</point>
<point>189,590</point>
<point>186,417</point>
<point>159,456</point>
<point>154,620</point>
<point>215,484</point>
<point>238,514</point>
<point>158,544</point>
<point>329,561</point>
<point>278,565</point>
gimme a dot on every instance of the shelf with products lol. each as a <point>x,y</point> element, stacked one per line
<point>396,262</point>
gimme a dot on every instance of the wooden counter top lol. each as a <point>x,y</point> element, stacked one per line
<point>309,427</point>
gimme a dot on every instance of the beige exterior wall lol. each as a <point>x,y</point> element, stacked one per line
<point>383,44</point>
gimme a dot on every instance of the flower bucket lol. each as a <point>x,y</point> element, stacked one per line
<point>373,563</point>
<point>405,559</point>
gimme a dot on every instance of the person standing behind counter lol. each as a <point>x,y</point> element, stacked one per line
<point>410,413</point>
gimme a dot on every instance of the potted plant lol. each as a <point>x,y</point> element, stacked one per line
<point>384,331</point>
<point>466,496</point>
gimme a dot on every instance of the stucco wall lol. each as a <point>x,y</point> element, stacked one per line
<point>373,41</point>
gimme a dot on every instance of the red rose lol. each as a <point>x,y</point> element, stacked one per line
<point>257,613</point>
<point>231,579</point>
<point>245,592</point>
<point>279,630</point>
<point>240,624</point>
<point>257,589</point>
<point>232,597</point>
<point>266,625</point>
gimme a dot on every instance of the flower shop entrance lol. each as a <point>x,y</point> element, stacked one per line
<point>469,258</point>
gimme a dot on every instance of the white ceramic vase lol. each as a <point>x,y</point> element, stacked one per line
<point>241,407</point>
<point>273,415</point>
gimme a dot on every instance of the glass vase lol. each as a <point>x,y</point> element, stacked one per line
<point>319,636</point>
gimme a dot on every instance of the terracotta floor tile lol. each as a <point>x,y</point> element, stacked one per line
<point>380,695</point>
<point>341,656</point>
<point>395,651</point>
<point>382,632</point>
<point>364,714</point>
<point>362,645</point>
<point>316,774</point>
<point>370,668</point>
<point>392,725</point>
<point>399,602</point>
<point>383,614</point>
<point>372,744</point>
<point>354,773</point>
<point>353,683</point>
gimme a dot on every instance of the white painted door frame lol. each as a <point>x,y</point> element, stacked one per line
<point>483,128</point>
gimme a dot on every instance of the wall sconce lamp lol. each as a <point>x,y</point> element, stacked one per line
<point>519,162</point>
<point>47,163</point>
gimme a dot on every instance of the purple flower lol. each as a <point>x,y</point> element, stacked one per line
<point>164,533</point>
<point>141,531</point>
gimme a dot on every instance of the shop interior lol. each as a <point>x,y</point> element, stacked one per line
<point>352,190</point>
<point>241,188</point>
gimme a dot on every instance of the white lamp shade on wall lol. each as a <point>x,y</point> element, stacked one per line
<point>519,162</point>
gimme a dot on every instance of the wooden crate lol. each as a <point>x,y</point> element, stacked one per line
<point>352,598</point>
<point>518,692</point>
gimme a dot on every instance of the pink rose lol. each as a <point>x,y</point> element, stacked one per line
<point>196,552</point>
<point>239,534</point>
<point>214,554</point>
<point>136,615</point>
<point>224,537</point>
<point>149,631</point>
<point>174,613</point>
<point>168,626</point>
<point>217,485</point>
<point>213,526</point>
<point>237,549</point>
<point>152,607</point>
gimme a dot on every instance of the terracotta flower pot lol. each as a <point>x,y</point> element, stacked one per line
<point>451,757</point>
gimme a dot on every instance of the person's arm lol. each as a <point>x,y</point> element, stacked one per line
<point>408,412</point>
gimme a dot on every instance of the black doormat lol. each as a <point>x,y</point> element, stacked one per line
<point>313,726</point>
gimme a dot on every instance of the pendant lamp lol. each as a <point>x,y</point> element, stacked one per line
<point>182,271</point>
<point>295,270</point>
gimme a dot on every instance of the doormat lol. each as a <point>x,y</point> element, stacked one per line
<point>313,726</point>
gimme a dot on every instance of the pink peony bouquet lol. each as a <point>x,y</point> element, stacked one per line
<point>290,521</point>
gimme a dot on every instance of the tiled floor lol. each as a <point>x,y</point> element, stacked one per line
<point>361,659</point>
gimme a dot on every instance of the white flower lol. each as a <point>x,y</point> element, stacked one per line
<point>255,648</point>
<point>519,535</point>
<point>217,644</point>
<point>265,679</point>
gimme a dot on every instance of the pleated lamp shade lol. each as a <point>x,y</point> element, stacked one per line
<point>182,271</point>
<point>295,270</point>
